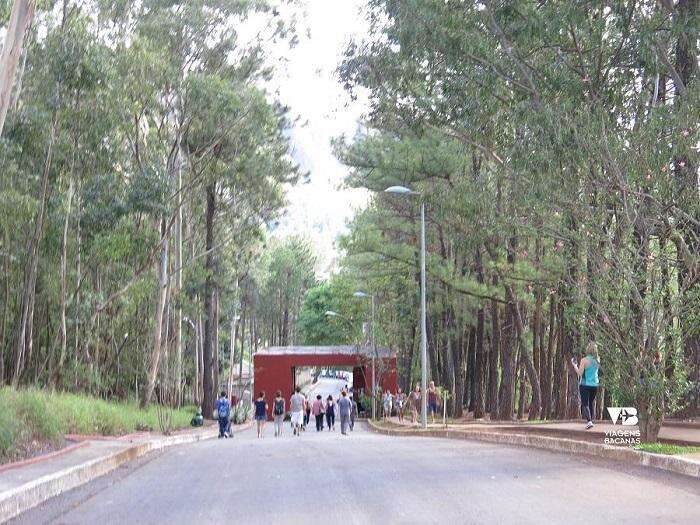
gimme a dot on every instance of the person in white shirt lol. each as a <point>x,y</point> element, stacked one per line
<point>296,405</point>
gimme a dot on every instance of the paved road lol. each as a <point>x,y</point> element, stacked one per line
<point>368,478</point>
<point>326,386</point>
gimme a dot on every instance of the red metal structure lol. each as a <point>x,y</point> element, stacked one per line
<point>275,366</point>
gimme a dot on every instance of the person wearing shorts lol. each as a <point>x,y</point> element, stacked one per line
<point>260,413</point>
<point>400,403</point>
<point>278,410</point>
<point>415,404</point>
<point>432,400</point>
<point>296,406</point>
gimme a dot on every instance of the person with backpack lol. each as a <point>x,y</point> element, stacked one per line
<point>278,411</point>
<point>261,413</point>
<point>317,411</point>
<point>330,413</point>
<point>223,411</point>
<point>587,371</point>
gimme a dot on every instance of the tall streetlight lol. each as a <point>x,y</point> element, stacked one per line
<point>373,342</point>
<point>402,190</point>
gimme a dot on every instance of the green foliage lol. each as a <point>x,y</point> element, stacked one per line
<point>663,448</point>
<point>37,416</point>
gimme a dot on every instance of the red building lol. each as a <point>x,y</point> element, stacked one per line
<point>275,367</point>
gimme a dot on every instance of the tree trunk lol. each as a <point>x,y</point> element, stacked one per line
<point>20,21</point>
<point>217,356</point>
<point>5,310</point>
<point>493,405</point>
<point>460,375</point>
<point>548,358</point>
<point>561,369</point>
<point>480,366</point>
<point>209,307</point>
<point>508,349</point>
<point>154,359</point>
<point>64,284</point>
<point>24,335</point>
<point>232,355</point>
<point>178,283</point>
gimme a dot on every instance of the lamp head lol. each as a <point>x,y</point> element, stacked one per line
<point>400,190</point>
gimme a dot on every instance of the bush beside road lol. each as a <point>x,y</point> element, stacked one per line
<point>34,421</point>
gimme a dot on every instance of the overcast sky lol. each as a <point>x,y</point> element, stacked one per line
<point>308,84</point>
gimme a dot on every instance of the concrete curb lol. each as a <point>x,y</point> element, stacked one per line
<point>14,502</point>
<point>38,459</point>
<point>626,455</point>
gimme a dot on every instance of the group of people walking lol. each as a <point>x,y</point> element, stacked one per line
<point>400,402</point>
<point>301,409</point>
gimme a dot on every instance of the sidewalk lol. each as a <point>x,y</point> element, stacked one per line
<point>567,437</point>
<point>26,484</point>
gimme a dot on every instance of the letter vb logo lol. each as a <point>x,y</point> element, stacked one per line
<point>628,415</point>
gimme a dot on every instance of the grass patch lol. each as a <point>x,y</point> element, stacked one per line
<point>31,419</point>
<point>662,448</point>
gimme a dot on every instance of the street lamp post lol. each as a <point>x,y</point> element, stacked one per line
<point>373,342</point>
<point>331,313</point>
<point>402,190</point>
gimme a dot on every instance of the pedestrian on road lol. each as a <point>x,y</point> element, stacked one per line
<point>400,403</point>
<point>387,402</point>
<point>296,405</point>
<point>587,371</point>
<point>307,413</point>
<point>353,412</point>
<point>330,413</point>
<point>278,411</point>
<point>432,400</point>
<point>344,410</point>
<point>261,413</point>
<point>415,403</point>
<point>317,411</point>
<point>223,411</point>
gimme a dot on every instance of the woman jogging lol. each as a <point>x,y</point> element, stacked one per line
<point>278,411</point>
<point>587,371</point>
<point>260,413</point>
<point>330,413</point>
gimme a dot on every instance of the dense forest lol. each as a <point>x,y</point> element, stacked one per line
<point>554,144</point>
<point>143,165</point>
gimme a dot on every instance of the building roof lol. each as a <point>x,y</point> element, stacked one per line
<point>382,351</point>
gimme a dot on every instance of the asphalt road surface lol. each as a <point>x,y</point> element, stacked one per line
<point>326,386</point>
<point>367,478</point>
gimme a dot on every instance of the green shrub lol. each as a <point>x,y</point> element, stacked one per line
<point>28,416</point>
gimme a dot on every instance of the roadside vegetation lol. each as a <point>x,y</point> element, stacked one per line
<point>663,448</point>
<point>33,421</point>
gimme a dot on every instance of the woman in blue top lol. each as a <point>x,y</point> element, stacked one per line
<point>587,371</point>
<point>260,413</point>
